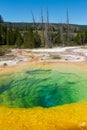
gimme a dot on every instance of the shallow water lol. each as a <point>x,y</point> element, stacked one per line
<point>43,87</point>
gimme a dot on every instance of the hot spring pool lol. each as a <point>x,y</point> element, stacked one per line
<point>45,87</point>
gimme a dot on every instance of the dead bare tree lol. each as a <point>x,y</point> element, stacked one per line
<point>34,22</point>
<point>51,35</point>
<point>68,28</point>
<point>61,34</point>
<point>48,32</point>
<point>42,26</point>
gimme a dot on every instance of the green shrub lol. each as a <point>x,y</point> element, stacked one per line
<point>56,57</point>
<point>5,64</point>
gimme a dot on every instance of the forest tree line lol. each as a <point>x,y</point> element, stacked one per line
<point>44,36</point>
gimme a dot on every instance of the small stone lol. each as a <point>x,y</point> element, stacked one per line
<point>82,125</point>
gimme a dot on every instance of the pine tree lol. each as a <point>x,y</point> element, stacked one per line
<point>18,43</point>
<point>29,39</point>
<point>57,37</point>
<point>37,40</point>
